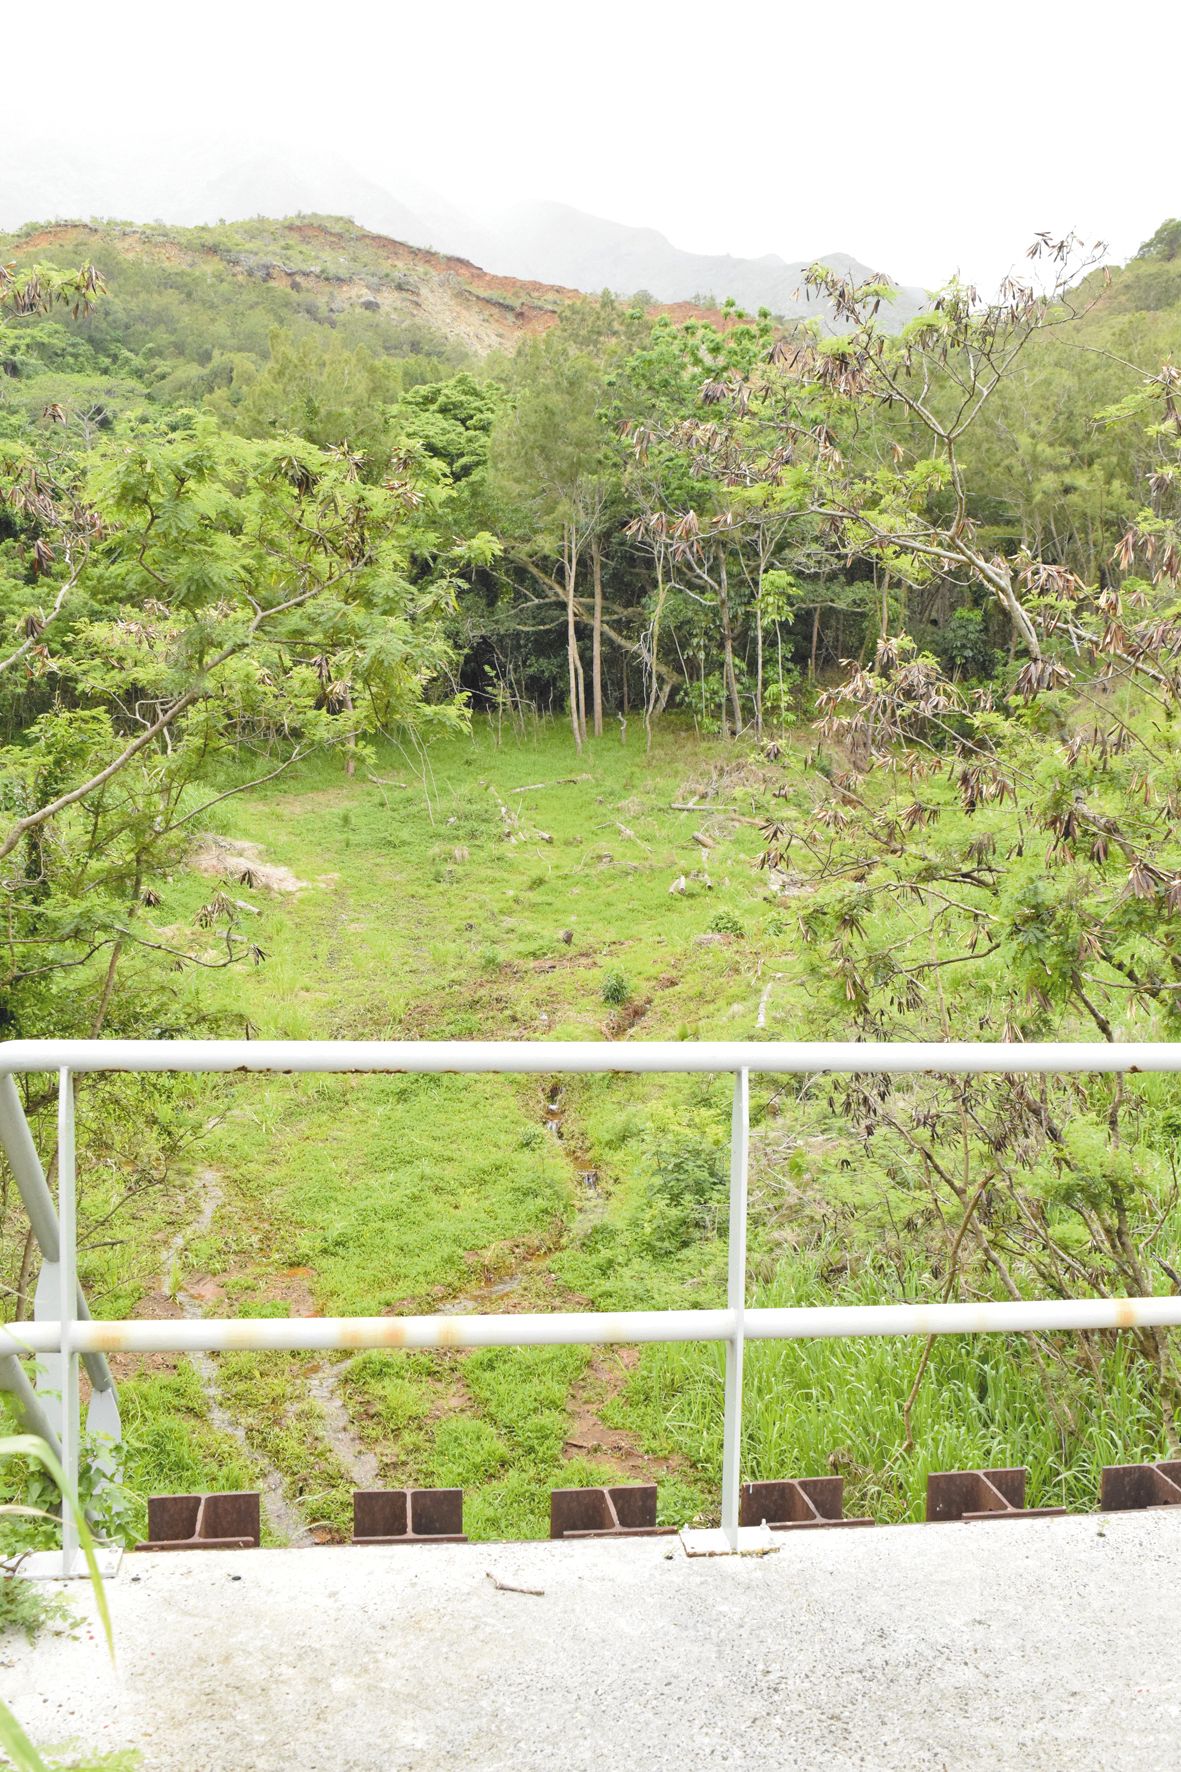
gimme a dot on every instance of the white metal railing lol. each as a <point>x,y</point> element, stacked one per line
<point>72,1335</point>
<point>42,1407</point>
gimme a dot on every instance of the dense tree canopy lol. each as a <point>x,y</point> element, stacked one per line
<point>225,544</point>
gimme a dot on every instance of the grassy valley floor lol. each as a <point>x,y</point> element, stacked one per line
<point>501,887</point>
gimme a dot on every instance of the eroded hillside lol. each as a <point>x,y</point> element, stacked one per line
<point>323,261</point>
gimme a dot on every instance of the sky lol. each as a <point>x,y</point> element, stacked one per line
<point>925,138</point>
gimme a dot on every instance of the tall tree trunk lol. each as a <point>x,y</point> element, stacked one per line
<point>650,708</point>
<point>597,637</point>
<point>728,646</point>
<point>815,642</point>
<point>759,656</point>
<point>350,743</point>
<point>581,681</point>
<point>573,663</point>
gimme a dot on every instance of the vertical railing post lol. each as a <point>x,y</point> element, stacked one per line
<point>736,1301</point>
<point>67,1219</point>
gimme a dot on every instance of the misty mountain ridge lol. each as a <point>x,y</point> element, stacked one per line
<point>547,241</point>
<point>561,244</point>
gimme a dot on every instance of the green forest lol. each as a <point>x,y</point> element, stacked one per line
<point>392,651</point>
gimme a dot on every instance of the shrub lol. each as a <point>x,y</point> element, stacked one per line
<point>725,923</point>
<point>686,1195</point>
<point>963,646</point>
<point>616,988</point>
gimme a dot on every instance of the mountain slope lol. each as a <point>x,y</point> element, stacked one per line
<point>550,243</point>
<point>564,245</point>
<point>306,269</point>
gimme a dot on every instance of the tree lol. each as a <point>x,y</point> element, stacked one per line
<point>1021,841</point>
<point>938,375</point>
<point>240,599</point>
<point>319,390</point>
<point>715,507</point>
<point>553,460</point>
<point>451,420</point>
<point>1165,244</point>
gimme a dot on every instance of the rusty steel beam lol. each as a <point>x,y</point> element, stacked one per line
<point>796,1503</point>
<point>625,1510</point>
<point>203,1522</point>
<point>408,1516</point>
<point>981,1495</point>
<point>1127,1486</point>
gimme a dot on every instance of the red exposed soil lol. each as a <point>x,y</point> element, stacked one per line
<point>486,308</point>
<point>397,252</point>
<point>589,1435</point>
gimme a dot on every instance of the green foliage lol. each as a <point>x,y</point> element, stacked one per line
<point>686,1184</point>
<point>241,593</point>
<point>1165,244</point>
<point>15,1611</point>
<point>29,1608</point>
<point>615,988</point>
<point>451,421</point>
<point>825,1406</point>
<point>319,389</point>
<point>963,646</point>
<point>726,923</point>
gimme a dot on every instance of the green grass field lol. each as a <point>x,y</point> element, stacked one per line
<point>515,891</point>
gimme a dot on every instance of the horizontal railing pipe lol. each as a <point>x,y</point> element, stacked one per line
<point>590,1328</point>
<point>555,1057</point>
<point>519,1329</point>
<point>990,1317</point>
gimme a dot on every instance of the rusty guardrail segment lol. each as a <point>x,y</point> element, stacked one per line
<point>203,1522</point>
<point>625,1510</point>
<point>628,1510</point>
<point>794,1502</point>
<point>981,1495</point>
<point>1127,1486</point>
<point>408,1516</point>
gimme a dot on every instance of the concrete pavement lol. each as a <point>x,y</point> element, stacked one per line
<point>1005,1644</point>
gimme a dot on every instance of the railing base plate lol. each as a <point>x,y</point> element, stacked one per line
<point>47,1565</point>
<point>711,1541</point>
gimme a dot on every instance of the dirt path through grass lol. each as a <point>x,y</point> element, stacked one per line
<point>283,1519</point>
<point>362,1466</point>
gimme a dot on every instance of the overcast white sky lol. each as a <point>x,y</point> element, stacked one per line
<point>924,137</point>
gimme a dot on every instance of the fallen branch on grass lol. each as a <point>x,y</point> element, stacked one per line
<point>562,782</point>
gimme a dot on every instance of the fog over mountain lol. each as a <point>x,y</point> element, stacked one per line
<point>552,242</point>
